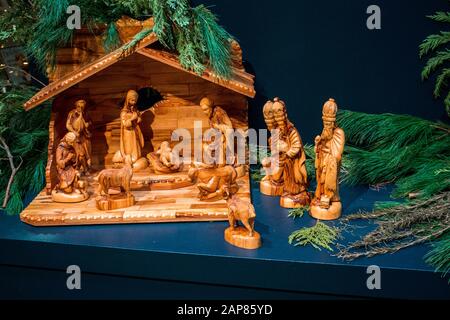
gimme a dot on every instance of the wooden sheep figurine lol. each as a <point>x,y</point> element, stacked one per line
<point>115,178</point>
<point>244,237</point>
<point>239,210</point>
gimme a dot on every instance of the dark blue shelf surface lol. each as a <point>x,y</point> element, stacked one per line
<point>196,254</point>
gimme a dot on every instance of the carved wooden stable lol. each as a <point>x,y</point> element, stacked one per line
<point>85,71</point>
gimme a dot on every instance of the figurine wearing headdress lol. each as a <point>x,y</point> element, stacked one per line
<point>286,174</point>
<point>329,147</point>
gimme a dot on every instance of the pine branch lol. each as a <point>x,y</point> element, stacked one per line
<point>298,212</point>
<point>401,227</point>
<point>435,62</point>
<point>440,16</point>
<point>111,38</point>
<point>410,152</point>
<point>447,104</point>
<point>349,256</point>
<point>432,42</point>
<point>441,82</point>
<point>439,256</point>
<point>130,47</point>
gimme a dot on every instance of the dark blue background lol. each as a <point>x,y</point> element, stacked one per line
<point>308,51</point>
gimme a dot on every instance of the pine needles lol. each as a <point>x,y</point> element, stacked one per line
<point>193,33</point>
<point>216,41</point>
<point>298,212</point>
<point>131,46</point>
<point>439,257</point>
<point>432,45</point>
<point>111,38</point>
<point>26,134</point>
<point>319,236</point>
<point>411,152</point>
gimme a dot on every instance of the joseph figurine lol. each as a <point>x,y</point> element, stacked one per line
<point>286,174</point>
<point>131,137</point>
<point>79,123</point>
<point>329,147</point>
<point>219,120</point>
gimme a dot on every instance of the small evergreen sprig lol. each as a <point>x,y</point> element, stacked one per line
<point>319,236</point>
<point>298,212</point>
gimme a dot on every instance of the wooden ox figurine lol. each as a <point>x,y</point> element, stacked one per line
<point>215,182</point>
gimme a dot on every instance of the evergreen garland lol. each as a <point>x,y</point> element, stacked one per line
<point>193,33</point>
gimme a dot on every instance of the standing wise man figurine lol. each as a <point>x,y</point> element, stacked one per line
<point>286,174</point>
<point>131,138</point>
<point>78,122</point>
<point>329,147</point>
<point>70,188</point>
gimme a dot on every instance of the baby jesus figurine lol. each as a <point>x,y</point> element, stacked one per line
<point>165,160</point>
<point>167,157</point>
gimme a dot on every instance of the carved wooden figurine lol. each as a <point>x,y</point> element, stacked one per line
<point>131,138</point>
<point>243,237</point>
<point>215,183</point>
<point>219,120</point>
<point>329,147</point>
<point>79,123</point>
<point>70,188</point>
<point>165,160</point>
<point>115,178</point>
<point>286,174</point>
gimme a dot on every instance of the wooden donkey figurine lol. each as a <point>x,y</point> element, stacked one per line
<point>115,178</point>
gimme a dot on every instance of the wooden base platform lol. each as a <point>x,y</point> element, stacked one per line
<point>177,203</point>
<point>238,237</point>
<point>333,213</point>
<point>116,201</point>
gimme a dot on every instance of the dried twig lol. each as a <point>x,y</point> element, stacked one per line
<point>346,255</point>
<point>401,227</point>
<point>14,170</point>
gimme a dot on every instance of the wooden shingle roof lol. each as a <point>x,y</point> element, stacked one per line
<point>240,81</point>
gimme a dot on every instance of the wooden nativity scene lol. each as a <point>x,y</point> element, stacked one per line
<point>111,156</point>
